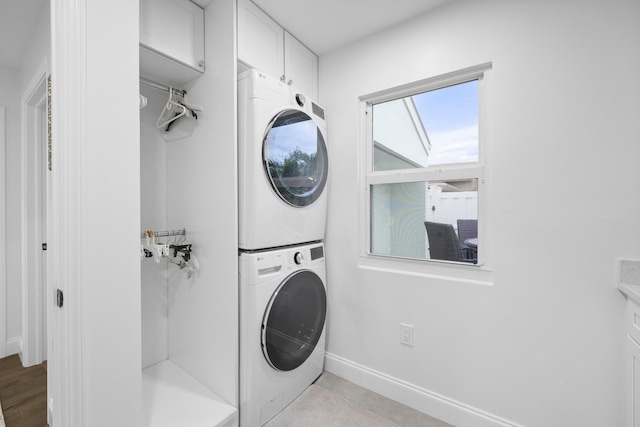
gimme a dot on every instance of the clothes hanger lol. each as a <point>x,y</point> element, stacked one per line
<point>176,107</point>
<point>172,111</point>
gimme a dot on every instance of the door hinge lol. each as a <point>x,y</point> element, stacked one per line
<point>59,298</point>
<point>44,246</point>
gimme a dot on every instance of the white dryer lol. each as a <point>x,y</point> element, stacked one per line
<point>282,164</point>
<point>283,307</point>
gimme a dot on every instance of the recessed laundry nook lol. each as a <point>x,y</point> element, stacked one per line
<point>279,212</point>
<point>187,182</point>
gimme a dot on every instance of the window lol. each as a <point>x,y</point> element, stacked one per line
<point>424,169</point>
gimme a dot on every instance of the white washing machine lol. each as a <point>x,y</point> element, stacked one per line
<point>283,307</point>
<point>282,164</point>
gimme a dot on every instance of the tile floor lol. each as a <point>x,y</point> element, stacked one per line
<point>393,411</point>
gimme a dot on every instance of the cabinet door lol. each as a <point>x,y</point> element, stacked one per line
<point>300,67</point>
<point>633,319</point>
<point>260,40</point>
<point>174,28</point>
<point>634,392</point>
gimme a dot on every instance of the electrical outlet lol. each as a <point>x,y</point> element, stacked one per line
<point>406,334</point>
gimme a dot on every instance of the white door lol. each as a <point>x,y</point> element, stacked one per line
<point>33,209</point>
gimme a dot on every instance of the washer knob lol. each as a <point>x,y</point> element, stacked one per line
<point>298,258</point>
<point>300,99</point>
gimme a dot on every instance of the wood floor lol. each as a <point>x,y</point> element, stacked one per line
<point>23,393</point>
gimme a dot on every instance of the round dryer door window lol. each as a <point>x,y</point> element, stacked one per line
<point>295,158</point>
<point>293,321</point>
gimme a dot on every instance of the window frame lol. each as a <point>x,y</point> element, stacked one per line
<point>477,273</point>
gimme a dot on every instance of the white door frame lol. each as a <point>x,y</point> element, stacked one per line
<point>33,189</point>
<point>3,239</point>
<point>95,352</point>
<point>65,385</point>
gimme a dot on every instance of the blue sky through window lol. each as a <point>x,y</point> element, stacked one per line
<point>450,118</point>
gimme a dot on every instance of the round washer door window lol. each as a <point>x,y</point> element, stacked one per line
<point>295,157</point>
<point>293,321</point>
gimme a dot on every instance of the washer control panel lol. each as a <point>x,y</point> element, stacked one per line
<point>316,252</point>
<point>300,99</point>
<point>302,256</point>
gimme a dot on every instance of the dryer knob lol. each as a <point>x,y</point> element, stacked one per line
<point>300,99</point>
<point>298,258</point>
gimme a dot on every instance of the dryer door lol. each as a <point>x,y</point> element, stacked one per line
<point>295,157</point>
<point>293,321</point>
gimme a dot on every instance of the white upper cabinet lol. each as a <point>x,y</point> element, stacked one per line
<point>260,40</point>
<point>300,66</point>
<point>171,40</point>
<point>265,45</point>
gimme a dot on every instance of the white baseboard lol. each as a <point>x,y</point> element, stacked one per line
<point>14,346</point>
<point>423,400</point>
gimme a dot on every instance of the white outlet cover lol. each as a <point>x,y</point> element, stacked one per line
<point>406,334</point>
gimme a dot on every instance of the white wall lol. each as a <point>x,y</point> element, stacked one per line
<point>542,346</point>
<point>153,211</point>
<point>109,217</point>
<point>10,99</point>
<point>39,46</point>
<point>202,196</point>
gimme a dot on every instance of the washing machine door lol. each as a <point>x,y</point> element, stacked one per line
<point>295,157</point>
<point>293,320</point>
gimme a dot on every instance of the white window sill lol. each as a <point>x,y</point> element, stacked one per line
<point>475,274</point>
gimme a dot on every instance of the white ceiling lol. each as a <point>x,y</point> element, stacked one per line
<point>321,25</point>
<point>18,19</point>
<point>324,25</point>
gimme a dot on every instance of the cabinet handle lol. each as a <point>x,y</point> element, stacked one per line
<point>283,79</point>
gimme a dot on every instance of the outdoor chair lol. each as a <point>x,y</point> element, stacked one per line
<point>444,243</point>
<point>468,229</point>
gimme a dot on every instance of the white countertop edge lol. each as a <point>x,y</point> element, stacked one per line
<point>631,291</point>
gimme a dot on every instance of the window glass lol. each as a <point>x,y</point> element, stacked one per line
<point>399,212</point>
<point>422,133</point>
<point>431,128</point>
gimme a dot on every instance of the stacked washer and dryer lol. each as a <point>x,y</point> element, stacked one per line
<point>282,167</point>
